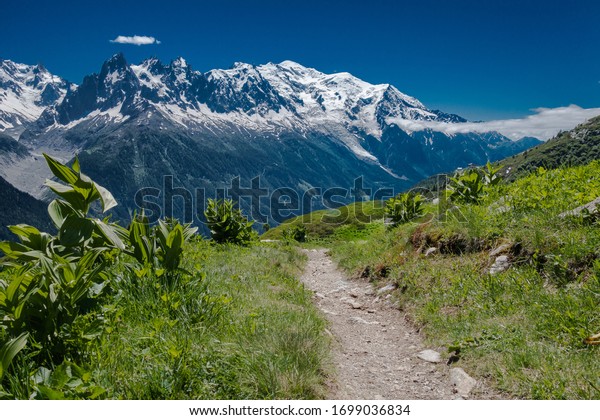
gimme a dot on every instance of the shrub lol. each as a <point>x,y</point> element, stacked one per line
<point>404,207</point>
<point>54,279</point>
<point>469,187</point>
<point>296,233</point>
<point>227,224</point>
<point>158,248</point>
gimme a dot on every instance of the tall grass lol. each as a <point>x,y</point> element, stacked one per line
<point>244,330</point>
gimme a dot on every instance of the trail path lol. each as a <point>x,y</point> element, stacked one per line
<point>375,348</point>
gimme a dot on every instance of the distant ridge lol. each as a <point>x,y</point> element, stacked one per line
<point>570,148</point>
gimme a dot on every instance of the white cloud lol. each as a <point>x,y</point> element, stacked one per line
<point>135,40</point>
<point>544,124</point>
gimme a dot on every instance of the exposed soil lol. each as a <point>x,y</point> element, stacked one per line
<point>374,348</point>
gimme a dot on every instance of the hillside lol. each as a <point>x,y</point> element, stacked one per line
<point>570,148</point>
<point>576,147</point>
<point>18,207</point>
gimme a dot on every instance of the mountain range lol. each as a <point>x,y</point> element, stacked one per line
<point>295,127</point>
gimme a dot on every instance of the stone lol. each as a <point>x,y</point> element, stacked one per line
<point>320,295</point>
<point>461,381</point>
<point>593,207</point>
<point>355,304</point>
<point>430,251</point>
<point>505,247</point>
<point>431,356</point>
<point>501,264</point>
<point>359,320</point>
<point>388,288</point>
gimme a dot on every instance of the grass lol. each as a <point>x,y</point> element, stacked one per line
<point>354,221</point>
<point>522,330</point>
<point>245,330</point>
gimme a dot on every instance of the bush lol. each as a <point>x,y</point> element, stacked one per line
<point>158,248</point>
<point>469,187</point>
<point>227,224</point>
<point>296,233</point>
<point>404,207</point>
<point>52,285</point>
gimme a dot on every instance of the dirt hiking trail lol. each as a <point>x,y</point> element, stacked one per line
<point>375,350</point>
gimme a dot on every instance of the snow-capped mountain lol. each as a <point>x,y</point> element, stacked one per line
<point>271,97</point>
<point>25,92</point>
<point>292,125</point>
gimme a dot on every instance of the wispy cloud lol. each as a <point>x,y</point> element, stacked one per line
<point>544,124</point>
<point>135,40</point>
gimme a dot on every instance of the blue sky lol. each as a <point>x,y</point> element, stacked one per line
<point>481,59</point>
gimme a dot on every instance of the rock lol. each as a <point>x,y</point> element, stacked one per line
<point>431,251</point>
<point>386,289</point>
<point>592,207</point>
<point>320,295</point>
<point>353,294</point>
<point>359,320</point>
<point>431,356</point>
<point>505,247</point>
<point>354,304</point>
<point>499,206</point>
<point>502,209</point>
<point>461,381</point>
<point>501,264</point>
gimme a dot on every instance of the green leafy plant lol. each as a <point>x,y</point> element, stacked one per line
<point>296,233</point>
<point>8,351</point>
<point>470,186</point>
<point>53,279</point>
<point>77,231</point>
<point>67,381</point>
<point>404,207</point>
<point>160,247</point>
<point>227,224</point>
<point>467,188</point>
<point>491,175</point>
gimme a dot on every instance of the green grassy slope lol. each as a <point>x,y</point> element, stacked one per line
<point>347,222</point>
<point>576,147</point>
